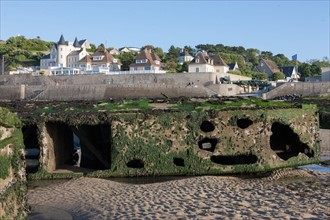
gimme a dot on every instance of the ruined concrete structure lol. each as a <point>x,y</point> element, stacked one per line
<point>12,167</point>
<point>167,141</point>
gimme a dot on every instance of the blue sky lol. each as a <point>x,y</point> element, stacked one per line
<point>288,27</point>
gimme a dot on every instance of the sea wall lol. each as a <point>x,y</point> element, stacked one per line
<point>156,142</point>
<point>300,88</point>
<point>12,167</point>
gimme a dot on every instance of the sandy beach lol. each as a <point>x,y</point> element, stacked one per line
<point>300,194</point>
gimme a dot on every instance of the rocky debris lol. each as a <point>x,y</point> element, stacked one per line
<point>288,97</point>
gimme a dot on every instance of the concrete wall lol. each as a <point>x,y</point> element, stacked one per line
<point>12,167</point>
<point>226,89</point>
<point>301,88</point>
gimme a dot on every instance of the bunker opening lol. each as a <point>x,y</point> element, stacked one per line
<point>234,159</point>
<point>208,144</point>
<point>286,143</point>
<point>78,148</point>
<point>135,163</point>
<point>178,161</point>
<point>32,147</point>
<point>207,126</point>
<point>244,123</point>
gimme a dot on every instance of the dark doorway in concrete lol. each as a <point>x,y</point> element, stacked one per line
<point>207,126</point>
<point>178,161</point>
<point>286,143</point>
<point>94,146</point>
<point>32,147</point>
<point>135,163</point>
<point>208,144</point>
<point>244,123</point>
<point>234,159</point>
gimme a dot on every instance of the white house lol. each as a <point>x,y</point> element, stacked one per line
<point>74,57</point>
<point>59,53</point>
<point>204,62</point>
<point>325,74</point>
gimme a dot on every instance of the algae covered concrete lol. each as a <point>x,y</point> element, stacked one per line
<point>12,167</point>
<point>195,137</point>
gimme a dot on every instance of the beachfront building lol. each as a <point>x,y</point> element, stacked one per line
<point>99,62</point>
<point>203,62</point>
<point>290,73</point>
<point>147,62</point>
<point>58,56</point>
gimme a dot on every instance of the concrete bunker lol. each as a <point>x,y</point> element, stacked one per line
<point>286,143</point>
<point>84,146</point>
<point>32,147</point>
<point>234,159</point>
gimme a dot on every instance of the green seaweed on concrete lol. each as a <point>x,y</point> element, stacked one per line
<point>5,162</point>
<point>9,119</point>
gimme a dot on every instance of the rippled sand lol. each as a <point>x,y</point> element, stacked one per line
<point>205,197</point>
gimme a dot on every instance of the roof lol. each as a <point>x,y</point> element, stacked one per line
<point>61,41</point>
<point>75,52</point>
<point>184,53</point>
<point>287,70</point>
<point>81,42</point>
<point>218,61</point>
<point>272,65</point>
<point>232,66</point>
<point>107,57</point>
<point>149,56</point>
<point>86,59</point>
<point>46,56</point>
<point>203,58</point>
<point>76,43</point>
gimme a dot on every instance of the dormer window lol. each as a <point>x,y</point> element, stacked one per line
<point>98,58</point>
<point>142,61</point>
<point>115,60</point>
<point>157,62</point>
<point>197,60</point>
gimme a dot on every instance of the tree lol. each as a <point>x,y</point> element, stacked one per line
<point>92,49</point>
<point>278,76</point>
<point>266,55</point>
<point>281,60</point>
<point>126,59</point>
<point>305,70</point>
<point>101,47</point>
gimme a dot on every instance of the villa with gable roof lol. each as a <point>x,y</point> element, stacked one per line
<point>147,62</point>
<point>203,62</point>
<point>61,51</point>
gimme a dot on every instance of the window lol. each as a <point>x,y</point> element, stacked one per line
<point>141,61</point>
<point>197,60</point>
<point>147,68</point>
<point>197,70</point>
<point>135,68</point>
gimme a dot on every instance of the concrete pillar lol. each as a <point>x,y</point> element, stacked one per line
<point>22,91</point>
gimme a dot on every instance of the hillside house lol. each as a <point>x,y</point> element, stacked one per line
<point>147,62</point>
<point>290,73</point>
<point>99,62</point>
<point>204,62</point>
<point>267,66</point>
<point>59,53</point>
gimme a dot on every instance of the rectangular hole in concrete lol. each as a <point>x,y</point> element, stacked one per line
<point>80,148</point>
<point>32,147</point>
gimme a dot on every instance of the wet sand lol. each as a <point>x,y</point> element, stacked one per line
<point>303,195</point>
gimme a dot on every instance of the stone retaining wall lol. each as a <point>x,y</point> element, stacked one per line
<point>12,167</point>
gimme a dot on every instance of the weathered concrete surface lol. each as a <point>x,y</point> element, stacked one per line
<point>325,142</point>
<point>300,88</point>
<point>12,167</point>
<point>150,143</point>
